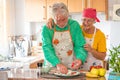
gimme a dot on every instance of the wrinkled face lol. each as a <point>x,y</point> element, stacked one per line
<point>88,22</point>
<point>61,20</point>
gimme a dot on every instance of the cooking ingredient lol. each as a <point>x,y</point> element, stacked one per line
<point>94,71</point>
<point>39,65</point>
<point>73,73</point>
<point>91,67</point>
<point>98,66</point>
<point>102,72</point>
<point>89,74</point>
<point>72,64</point>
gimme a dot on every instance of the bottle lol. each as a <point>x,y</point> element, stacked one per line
<point>39,65</point>
<point>108,64</point>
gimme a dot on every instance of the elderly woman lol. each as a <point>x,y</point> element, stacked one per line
<point>61,45</point>
<point>95,39</point>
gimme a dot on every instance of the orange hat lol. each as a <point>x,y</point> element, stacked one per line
<point>90,13</point>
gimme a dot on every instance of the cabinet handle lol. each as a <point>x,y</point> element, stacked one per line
<point>43,6</point>
<point>50,6</point>
<point>44,18</point>
<point>45,13</point>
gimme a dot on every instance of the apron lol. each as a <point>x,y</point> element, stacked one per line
<point>91,60</point>
<point>63,46</point>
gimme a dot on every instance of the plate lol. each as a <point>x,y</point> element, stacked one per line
<point>69,74</point>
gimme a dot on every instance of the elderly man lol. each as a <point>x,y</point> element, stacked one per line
<point>64,43</point>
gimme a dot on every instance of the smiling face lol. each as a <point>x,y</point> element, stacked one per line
<point>60,14</point>
<point>61,20</point>
<point>87,22</point>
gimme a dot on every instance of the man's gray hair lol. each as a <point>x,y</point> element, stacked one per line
<point>61,8</point>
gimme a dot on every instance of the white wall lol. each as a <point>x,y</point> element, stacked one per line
<point>115,33</point>
<point>10,13</point>
<point>20,24</point>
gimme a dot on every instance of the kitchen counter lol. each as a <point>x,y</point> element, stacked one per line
<point>79,78</point>
<point>31,72</point>
<point>25,62</point>
<point>51,77</point>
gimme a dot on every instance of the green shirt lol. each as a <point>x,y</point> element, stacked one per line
<point>77,38</point>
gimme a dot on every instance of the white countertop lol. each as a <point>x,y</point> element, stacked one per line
<point>18,62</point>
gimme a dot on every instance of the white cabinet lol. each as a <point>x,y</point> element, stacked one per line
<point>35,10</point>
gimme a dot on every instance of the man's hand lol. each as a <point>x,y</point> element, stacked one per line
<point>62,68</point>
<point>76,64</point>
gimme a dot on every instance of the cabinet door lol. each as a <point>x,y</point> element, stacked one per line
<point>98,4</point>
<point>49,6</point>
<point>76,5</point>
<point>35,10</point>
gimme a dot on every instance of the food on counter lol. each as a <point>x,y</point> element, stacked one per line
<point>98,66</point>
<point>70,73</point>
<point>73,73</point>
<point>96,72</point>
<point>89,74</point>
<point>72,64</point>
<point>102,71</point>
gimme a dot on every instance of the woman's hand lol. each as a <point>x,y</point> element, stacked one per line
<point>62,68</point>
<point>50,23</point>
<point>87,47</point>
<point>76,64</point>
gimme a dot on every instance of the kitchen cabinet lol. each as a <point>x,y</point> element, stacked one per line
<point>99,5</point>
<point>76,5</point>
<point>35,10</point>
<point>34,64</point>
<point>40,10</point>
<point>49,6</point>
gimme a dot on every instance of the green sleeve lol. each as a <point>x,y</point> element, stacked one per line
<point>78,41</point>
<point>47,46</point>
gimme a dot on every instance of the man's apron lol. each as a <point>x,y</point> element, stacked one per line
<point>91,60</point>
<point>62,43</point>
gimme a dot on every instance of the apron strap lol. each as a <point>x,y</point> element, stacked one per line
<point>93,36</point>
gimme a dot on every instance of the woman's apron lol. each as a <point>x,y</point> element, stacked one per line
<point>91,60</point>
<point>62,43</point>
